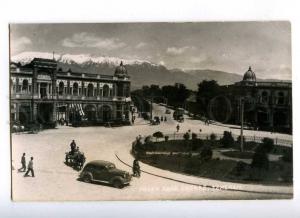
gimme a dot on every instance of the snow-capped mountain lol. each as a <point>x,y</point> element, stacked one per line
<point>26,57</point>
<point>141,72</point>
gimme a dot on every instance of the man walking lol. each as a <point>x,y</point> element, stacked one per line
<point>30,168</point>
<point>23,162</point>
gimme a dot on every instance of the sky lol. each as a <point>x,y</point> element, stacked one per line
<point>225,46</point>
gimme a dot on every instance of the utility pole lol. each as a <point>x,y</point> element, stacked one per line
<point>151,107</point>
<point>242,123</point>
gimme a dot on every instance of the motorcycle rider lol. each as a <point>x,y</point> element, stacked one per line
<point>136,168</point>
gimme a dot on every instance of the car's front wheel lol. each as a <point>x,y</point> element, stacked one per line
<point>87,179</point>
<point>117,184</point>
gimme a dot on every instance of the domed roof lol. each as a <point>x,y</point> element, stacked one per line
<point>121,70</point>
<point>249,76</point>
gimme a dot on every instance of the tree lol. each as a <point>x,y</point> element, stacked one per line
<point>260,158</point>
<point>207,90</point>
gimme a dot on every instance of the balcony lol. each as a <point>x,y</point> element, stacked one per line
<point>21,95</point>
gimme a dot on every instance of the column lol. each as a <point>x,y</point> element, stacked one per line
<point>38,90</point>
<point>17,112</point>
<point>34,112</point>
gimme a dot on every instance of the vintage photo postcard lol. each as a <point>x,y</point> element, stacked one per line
<point>151,111</point>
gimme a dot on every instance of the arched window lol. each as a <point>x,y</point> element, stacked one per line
<point>75,89</point>
<point>105,91</point>
<point>90,91</point>
<point>280,98</point>
<point>264,97</point>
<point>25,85</point>
<point>61,88</point>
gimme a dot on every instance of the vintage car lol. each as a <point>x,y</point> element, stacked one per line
<point>105,172</point>
<point>155,121</point>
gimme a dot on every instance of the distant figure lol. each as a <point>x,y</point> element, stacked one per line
<point>161,118</point>
<point>200,130</point>
<point>177,127</point>
<point>165,118</point>
<point>30,168</point>
<point>23,162</point>
<point>73,146</point>
<point>136,168</point>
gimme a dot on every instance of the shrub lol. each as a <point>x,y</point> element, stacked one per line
<point>148,139</point>
<point>197,144</point>
<point>138,146</point>
<point>260,160</point>
<point>194,136</point>
<point>166,138</point>
<point>213,137</point>
<point>288,156</point>
<point>186,136</point>
<point>240,168</point>
<point>268,144</point>
<point>158,135</point>
<point>206,153</point>
<point>227,139</point>
<point>191,165</point>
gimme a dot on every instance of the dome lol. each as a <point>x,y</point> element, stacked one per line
<point>249,76</point>
<point>121,70</point>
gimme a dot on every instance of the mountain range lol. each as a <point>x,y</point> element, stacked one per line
<point>141,72</point>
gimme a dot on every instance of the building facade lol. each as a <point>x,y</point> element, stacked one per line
<point>267,104</point>
<point>42,93</point>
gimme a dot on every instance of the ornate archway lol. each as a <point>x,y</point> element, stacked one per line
<point>90,112</point>
<point>105,112</point>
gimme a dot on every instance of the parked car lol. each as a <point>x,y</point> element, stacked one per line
<point>105,172</point>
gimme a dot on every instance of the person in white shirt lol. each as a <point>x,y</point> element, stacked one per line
<point>30,168</point>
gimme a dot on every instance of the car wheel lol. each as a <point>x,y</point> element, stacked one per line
<point>87,178</point>
<point>117,184</point>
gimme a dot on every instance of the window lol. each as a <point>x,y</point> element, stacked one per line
<point>264,97</point>
<point>90,90</point>
<point>105,91</point>
<point>25,86</point>
<point>75,89</point>
<point>280,98</point>
<point>61,88</point>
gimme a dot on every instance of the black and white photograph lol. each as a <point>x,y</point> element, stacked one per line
<point>151,111</point>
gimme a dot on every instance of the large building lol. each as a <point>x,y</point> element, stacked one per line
<point>267,104</point>
<point>42,93</point>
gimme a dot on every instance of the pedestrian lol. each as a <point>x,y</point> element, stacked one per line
<point>165,118</point>
<point>161,118</point>
<point>30,168</point>
<point>23,162</point>
<point>177,127</point>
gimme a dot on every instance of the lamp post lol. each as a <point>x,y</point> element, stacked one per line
<point>242,123</point>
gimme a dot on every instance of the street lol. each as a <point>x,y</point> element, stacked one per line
<point>56,181</point>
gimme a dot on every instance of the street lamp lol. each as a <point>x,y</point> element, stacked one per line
<point>242,101</point>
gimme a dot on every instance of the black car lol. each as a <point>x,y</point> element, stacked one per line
<point>105,172</point>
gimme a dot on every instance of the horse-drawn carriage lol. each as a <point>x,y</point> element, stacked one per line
<point>75,159</point>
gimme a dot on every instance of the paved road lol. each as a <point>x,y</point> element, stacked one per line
<point>56,181</point>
